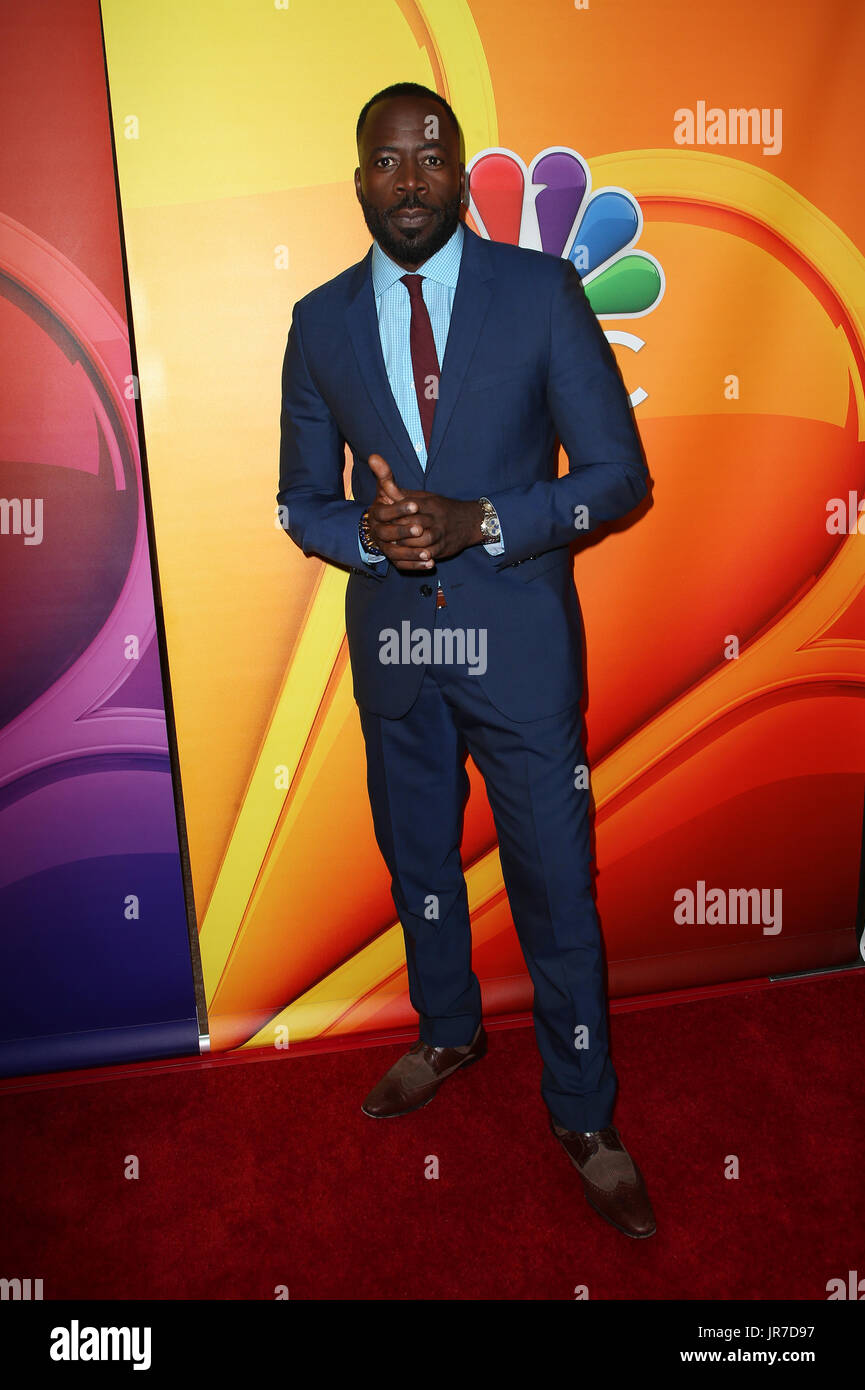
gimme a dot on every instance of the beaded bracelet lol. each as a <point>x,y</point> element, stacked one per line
<point>366,540</point>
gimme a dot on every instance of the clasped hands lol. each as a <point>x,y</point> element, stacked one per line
<point>414,529</point>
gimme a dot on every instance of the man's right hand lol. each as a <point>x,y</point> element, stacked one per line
<point>390,522</point>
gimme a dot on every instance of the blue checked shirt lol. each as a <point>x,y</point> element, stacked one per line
<point>393,307</point>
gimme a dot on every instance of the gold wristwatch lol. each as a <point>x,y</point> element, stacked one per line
<point>490,528</point>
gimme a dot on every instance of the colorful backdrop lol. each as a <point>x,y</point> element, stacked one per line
<point>95,961</point>
<point>704,159</point>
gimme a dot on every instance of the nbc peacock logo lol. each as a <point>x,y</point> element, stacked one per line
<point>550,207</point>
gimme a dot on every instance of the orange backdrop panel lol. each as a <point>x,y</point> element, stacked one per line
<point>235,137</point>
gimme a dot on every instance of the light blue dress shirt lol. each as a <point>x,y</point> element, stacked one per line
<point>393,307</point>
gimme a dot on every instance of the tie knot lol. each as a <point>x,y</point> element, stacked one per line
<point>412,284</point>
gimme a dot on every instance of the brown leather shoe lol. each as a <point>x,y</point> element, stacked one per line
<point>612,1182</point>
<point>413,1081</point>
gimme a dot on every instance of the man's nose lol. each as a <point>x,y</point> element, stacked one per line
<point>411,178</point>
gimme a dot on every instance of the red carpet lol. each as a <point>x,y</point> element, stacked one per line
<point>266,1174</point>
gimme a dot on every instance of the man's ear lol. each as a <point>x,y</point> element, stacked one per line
<point>357,184</point>
<point>464,186</point>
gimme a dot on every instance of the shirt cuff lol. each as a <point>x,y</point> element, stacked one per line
<point>496,547</point>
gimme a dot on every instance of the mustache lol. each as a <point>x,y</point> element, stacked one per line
<point>410,205</point>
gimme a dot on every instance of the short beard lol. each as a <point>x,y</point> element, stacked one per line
<point>412,246</point>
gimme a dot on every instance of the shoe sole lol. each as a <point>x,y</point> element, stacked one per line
<point>397,1114</point>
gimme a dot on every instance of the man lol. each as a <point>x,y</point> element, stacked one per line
<point>451,365</point>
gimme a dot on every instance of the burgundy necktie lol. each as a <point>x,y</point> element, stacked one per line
<point>425,363</point>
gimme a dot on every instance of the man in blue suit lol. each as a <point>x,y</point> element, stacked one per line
<point>451,366</point>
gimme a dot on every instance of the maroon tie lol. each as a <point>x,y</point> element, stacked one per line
<point>425,363</point>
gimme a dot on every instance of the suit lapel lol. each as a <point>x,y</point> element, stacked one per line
<point>363,332</point>
<point>471,301</point>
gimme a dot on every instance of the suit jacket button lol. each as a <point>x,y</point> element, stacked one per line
<point>426,590</point>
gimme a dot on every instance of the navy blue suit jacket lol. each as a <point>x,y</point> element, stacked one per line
<point>526,363</point>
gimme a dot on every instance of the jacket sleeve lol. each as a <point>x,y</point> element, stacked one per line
<point>589,405</point>
<point>315,511</point>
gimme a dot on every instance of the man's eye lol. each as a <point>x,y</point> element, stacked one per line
<point>434,159</point>
<point>384,159</point>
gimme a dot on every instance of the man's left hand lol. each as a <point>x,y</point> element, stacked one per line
<point>449,525</point>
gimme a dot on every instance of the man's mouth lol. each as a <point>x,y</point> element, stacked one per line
<point>411,217</point>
